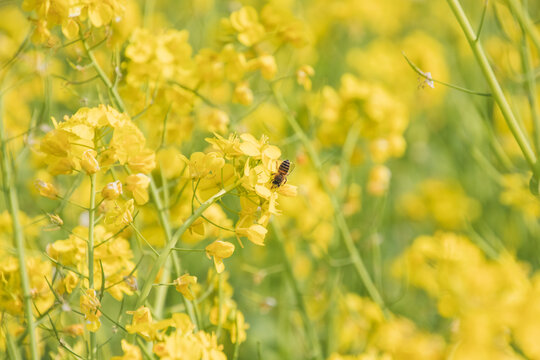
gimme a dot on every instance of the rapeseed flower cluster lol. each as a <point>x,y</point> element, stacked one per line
<point>159,219</point>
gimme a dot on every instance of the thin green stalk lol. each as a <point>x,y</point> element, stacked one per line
<point>359,265</point>
<point>525,21</point>
<point>91,224</point>
<point>18,238</point>
<point>452,86</point>
<point>482,18</point>
<point>237,344</point>
<point>220,305</point>
<point>164,254</point>
<point>161,293</point>
<point>315,346</point>
<point>531,87</point>
<point>110,87</point>
<point>496,89</point>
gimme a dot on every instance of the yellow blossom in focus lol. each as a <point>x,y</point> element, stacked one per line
<point>204,165</point>
<point>219,250</point>
<point>119,215</point>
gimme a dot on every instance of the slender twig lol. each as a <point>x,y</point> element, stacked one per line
<point>196,93</point>
<point>91,223</point>
<point>482,18</point>
<point>220,306</point>
<point>340,218</point>
<point>428,78</point>
<point>315,346</point>
<point>160,261</point>
<point>12,200</point>
<point>530,86</point>
<point>110,87</point>
<point>525,21</point>
<point>20,49</point>
<point>496,89</point>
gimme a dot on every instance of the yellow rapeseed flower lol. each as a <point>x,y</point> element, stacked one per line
<point>183,285</point>
<point>219,250</point>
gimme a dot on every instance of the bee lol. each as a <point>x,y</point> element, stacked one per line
<point>280,178</point>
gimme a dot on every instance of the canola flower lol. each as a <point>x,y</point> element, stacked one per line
<point>140,141</point>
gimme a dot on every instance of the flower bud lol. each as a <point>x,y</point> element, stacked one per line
<point>112,190</point>
<point>243,94</point>
<point>46,189</point>
<point>303,76</point>
<point>89,162</point>
<point>378,181</point>
<point>268,66</point>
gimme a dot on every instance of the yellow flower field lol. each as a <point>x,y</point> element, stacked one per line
<point>265,180</point>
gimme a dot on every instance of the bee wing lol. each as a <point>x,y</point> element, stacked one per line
<point>291,168</point>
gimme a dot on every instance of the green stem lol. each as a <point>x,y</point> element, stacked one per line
<point>161,294</point>
<point>220,305</point>
<point>425,76</point>
<point>91,224</point>
<point>18,238</point>
<point>531,87</point>
<point>164,254</point>
<point>525,21</point>
<point>315,346</point>
<point>494,85</point>
<point>359,265</point>
<point>110,87</point>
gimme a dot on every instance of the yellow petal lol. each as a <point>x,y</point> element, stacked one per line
<point>263,191</point>
<point>288,190</point>
<point>100,14</point>
<point>70,29</point>
<point>218,262</point>
<point>272,152</point>
<point>250,149</point>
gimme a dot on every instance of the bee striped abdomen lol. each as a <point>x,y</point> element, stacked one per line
<point>284,167</point>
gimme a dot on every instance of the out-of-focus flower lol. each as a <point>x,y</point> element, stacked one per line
<point>46,189</point>
<point>243,94</point>
<point>304,75</point>
<point>245,23</point>
<point>138,185</point>
<point>69,15</point>
<point>131,352</point>
<point>379,180</point>
<point>74,330</point>
<point>90,305</point>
